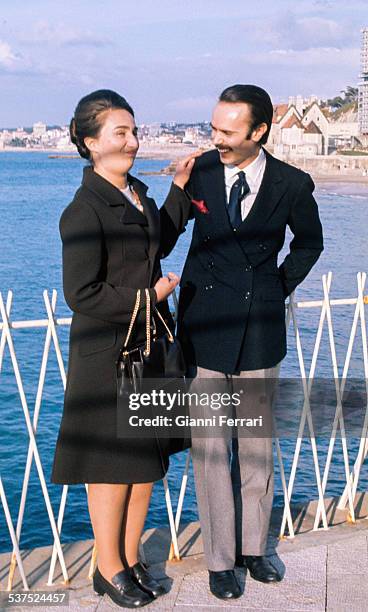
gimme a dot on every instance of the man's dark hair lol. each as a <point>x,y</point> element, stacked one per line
<point>259,101</point>
<point>87,120</point>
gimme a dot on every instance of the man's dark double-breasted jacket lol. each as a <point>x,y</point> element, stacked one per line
<point>232,298</point>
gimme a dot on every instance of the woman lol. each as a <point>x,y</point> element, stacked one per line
<point>112,244</point>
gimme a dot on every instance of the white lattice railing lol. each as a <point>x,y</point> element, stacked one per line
<point>51,324</point>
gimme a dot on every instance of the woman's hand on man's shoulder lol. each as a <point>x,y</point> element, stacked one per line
<point>184,168</point>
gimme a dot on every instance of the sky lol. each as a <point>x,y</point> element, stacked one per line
<point>171,58</point>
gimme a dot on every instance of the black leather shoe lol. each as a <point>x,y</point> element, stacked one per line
<point>224,585</point>
<point>140,575</point>
<point>123,591</point>
<point>261,569</point>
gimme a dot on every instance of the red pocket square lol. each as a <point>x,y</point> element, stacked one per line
<point>200,204</point>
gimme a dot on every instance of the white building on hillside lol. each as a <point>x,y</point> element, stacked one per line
<point>301,103</point>
<point>314,131</point>
<point>296,139</point>
<point>39,130</point>
<point>319,117</point>
<point>293,134</point>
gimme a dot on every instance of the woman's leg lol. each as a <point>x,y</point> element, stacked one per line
<point>106,503</point>
<point>133,522</point>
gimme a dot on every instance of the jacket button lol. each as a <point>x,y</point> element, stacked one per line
<point>248,268</point>
<point>206,239</point>
<point>262,247</point>
<point>211,263</point>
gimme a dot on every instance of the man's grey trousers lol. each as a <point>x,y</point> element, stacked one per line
<point>234,475</point>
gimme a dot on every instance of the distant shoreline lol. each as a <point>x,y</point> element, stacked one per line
<point>332,178</point>
<point>157,151</point>
<point>174,152</point>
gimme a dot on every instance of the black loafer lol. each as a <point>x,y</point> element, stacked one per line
<point>224,585</point>
<point>261,569</point>
<point>140,575</point>
<point>123,591</point>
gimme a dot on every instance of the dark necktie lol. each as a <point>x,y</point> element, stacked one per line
<point>239,189</point>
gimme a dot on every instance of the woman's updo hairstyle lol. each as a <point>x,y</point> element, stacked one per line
<point>87,121</point>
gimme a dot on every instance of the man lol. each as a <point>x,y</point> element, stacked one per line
<point>232,316</point>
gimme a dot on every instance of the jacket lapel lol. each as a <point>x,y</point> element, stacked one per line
<point>151,213</point>
<point>113,197</point>
<point>213,186</point>
<point>272,188</point>
<point>132,215</point>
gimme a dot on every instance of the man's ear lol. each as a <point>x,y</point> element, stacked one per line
<point>259,131</point>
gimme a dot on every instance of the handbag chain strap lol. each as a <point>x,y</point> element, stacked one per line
<point>132,320</point>
<point>147,350</point>
<point>171,337</point>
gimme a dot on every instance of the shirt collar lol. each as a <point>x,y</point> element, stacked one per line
<point>251,172</point>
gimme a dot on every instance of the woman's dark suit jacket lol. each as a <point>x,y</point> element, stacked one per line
<point>110,249</point>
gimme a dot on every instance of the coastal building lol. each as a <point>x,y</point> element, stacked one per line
<point>16,138</point>
<point>191,135</point>
<point>344,129</point>
<point>294,134</point>
<point>301,103</point>
<point>154,130</point>
<point>363,85</point>
<point>62,138</point>
<point>304,130</point>
<point>319,117</point>
<point>20,133</point>
<point>39,130</point>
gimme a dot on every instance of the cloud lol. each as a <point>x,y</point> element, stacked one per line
<point>323,3</point>
<point>319,57</point>
<point>322,71</point>
<point>64,36</point>
<point>7,57</point>
<point>298,32</point>
<point>15,63</point>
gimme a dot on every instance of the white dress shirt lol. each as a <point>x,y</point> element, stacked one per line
<point>253,174</point>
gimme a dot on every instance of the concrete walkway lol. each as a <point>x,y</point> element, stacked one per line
<point>324,570</point>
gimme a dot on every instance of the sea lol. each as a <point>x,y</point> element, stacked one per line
<point>34,190</point>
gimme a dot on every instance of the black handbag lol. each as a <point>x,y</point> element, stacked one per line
<point>160,357</point>
<point>157,364</point>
